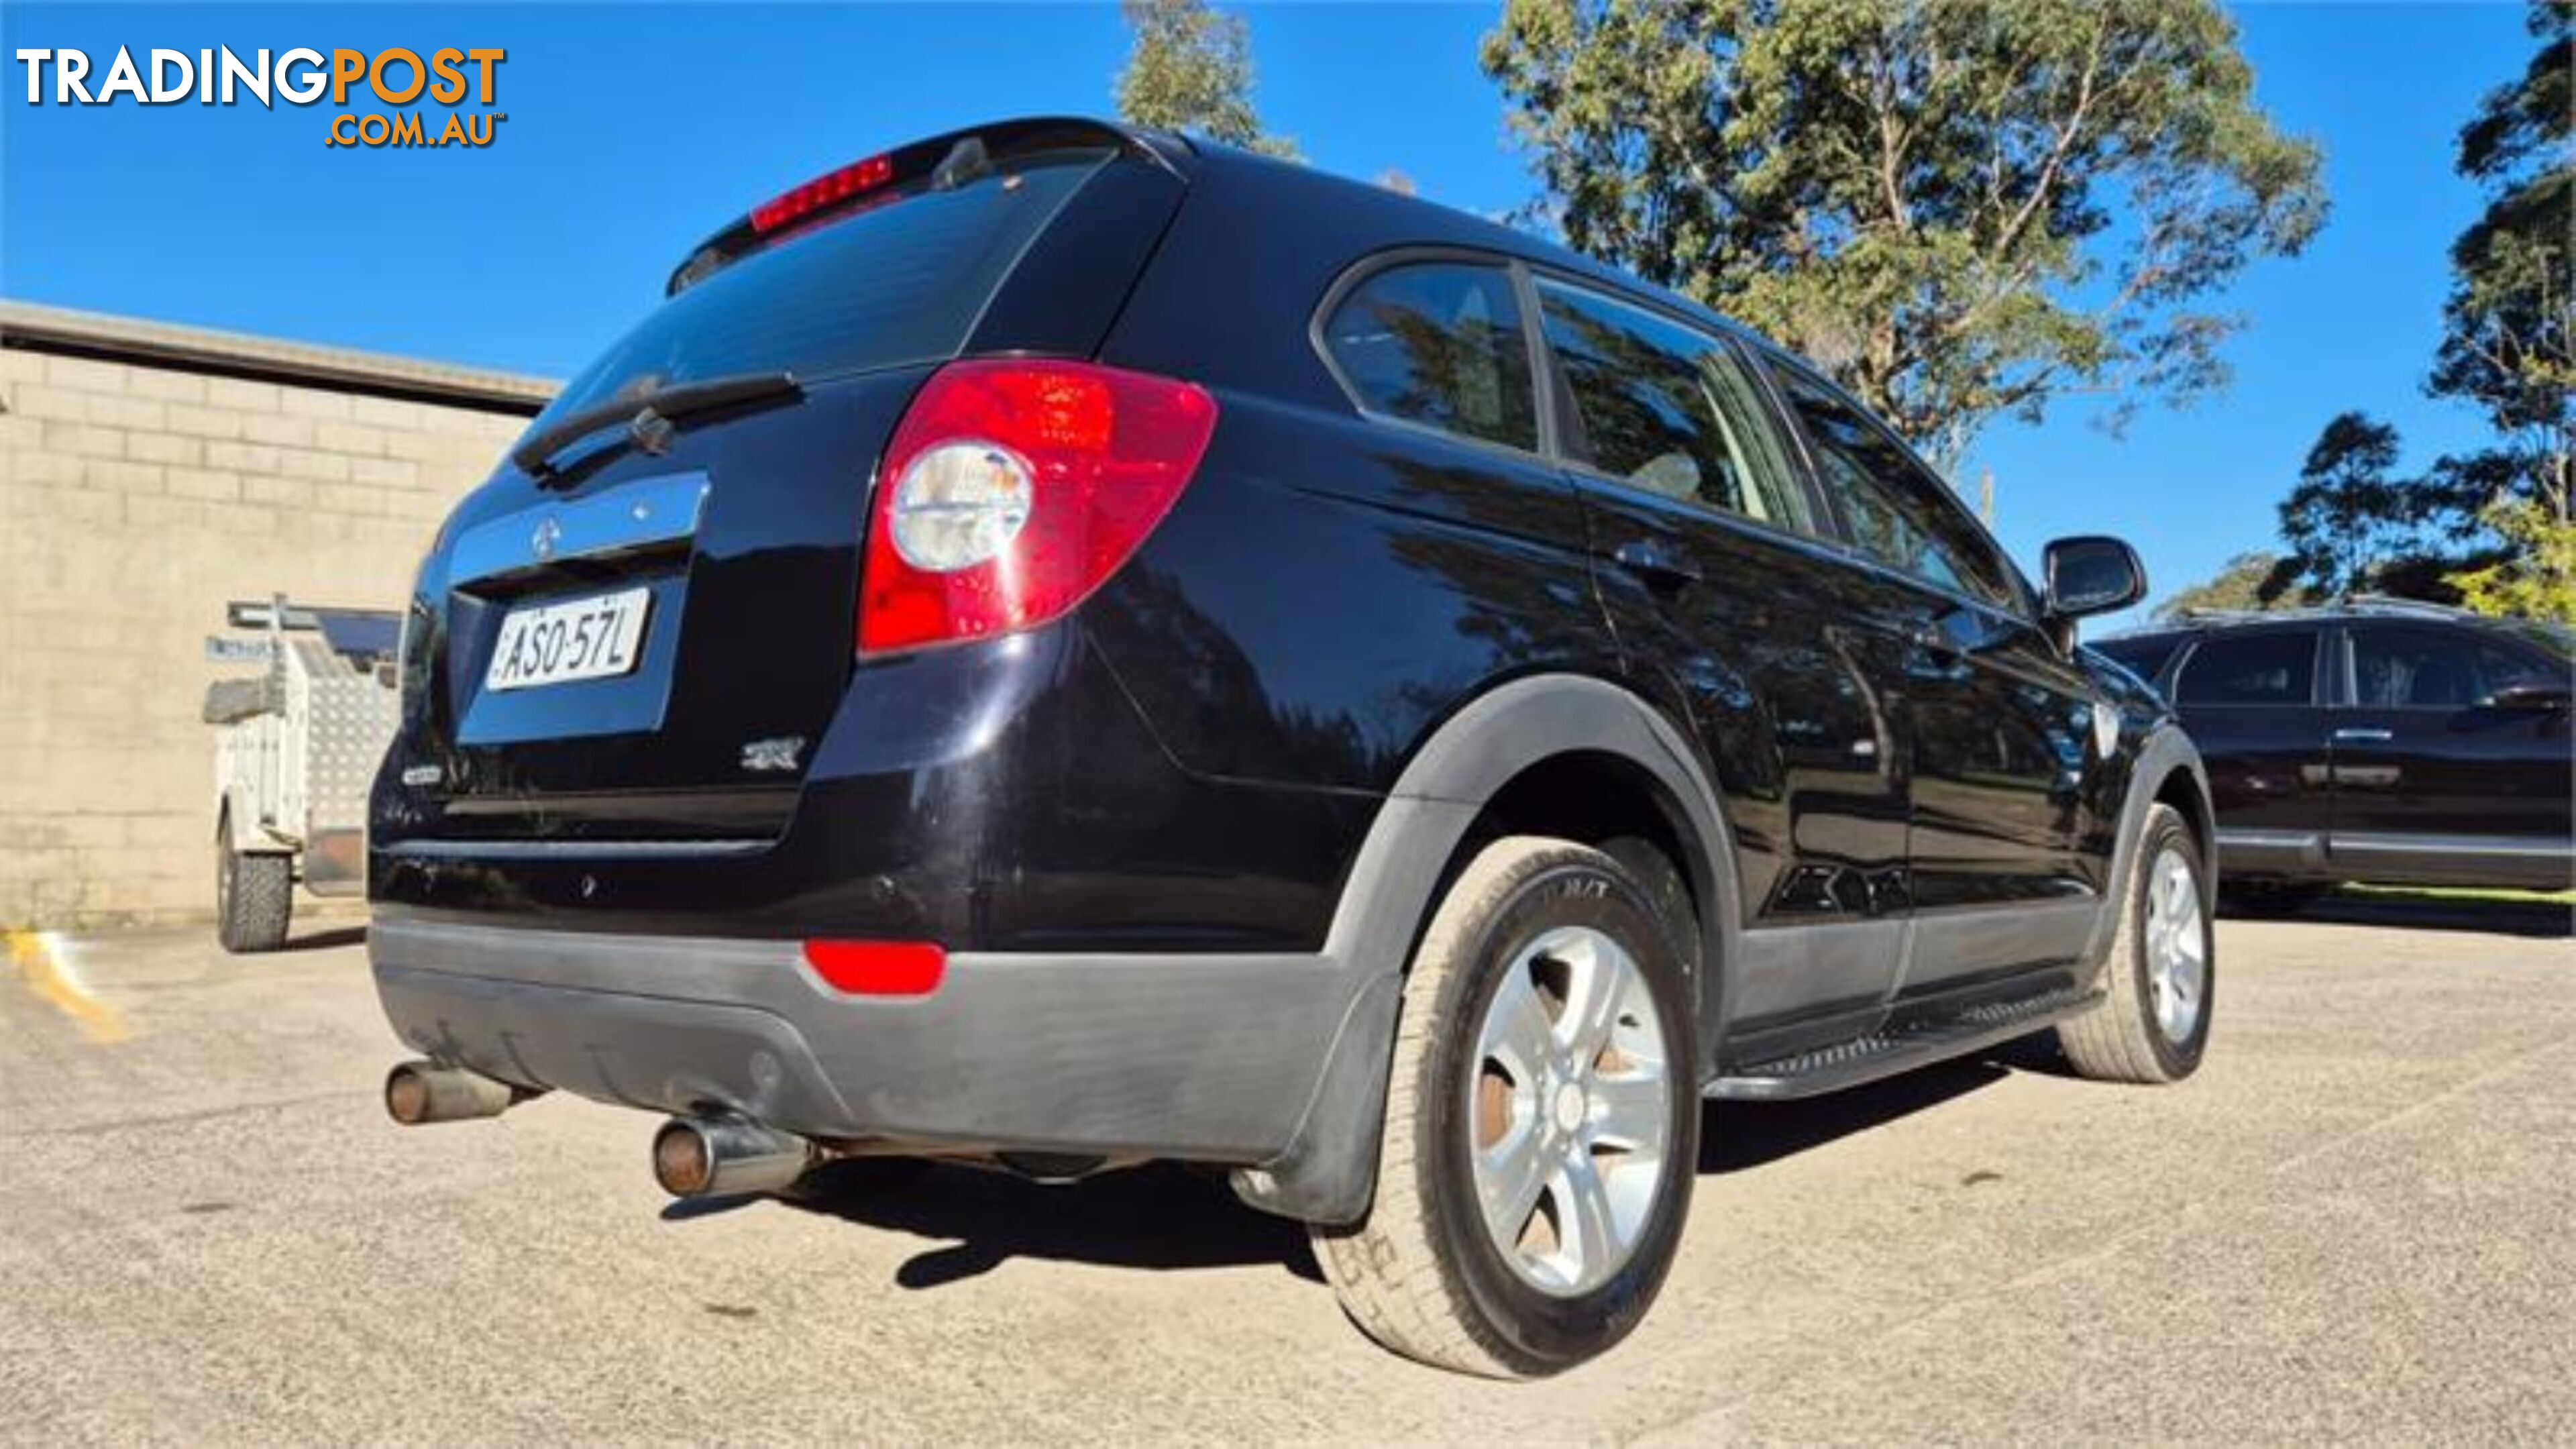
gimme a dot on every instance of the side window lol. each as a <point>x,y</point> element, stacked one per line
<point>2400,668</point>
<point>2499,669</point>
<point>1899,514</point>
<point>1439,343</point>
<point>2145,656</point>
<point>1668,409</point>
<point>2270,668</point>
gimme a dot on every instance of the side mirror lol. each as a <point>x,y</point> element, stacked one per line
<point>2092,575</point>
<point>2536,695</point>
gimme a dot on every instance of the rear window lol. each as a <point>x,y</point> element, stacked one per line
<point>899,281</point>
<point>2251,669</point>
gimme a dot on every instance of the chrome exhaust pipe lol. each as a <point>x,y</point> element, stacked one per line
<point>727,1156</point>
<point>423,1092</point>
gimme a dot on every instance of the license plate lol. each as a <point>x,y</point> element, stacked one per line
<point>593,638</point>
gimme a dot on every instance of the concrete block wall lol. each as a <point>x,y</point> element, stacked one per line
<point>136,498</point>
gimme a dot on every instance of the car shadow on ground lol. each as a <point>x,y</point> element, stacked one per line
<point>1165,1217</point>
<point>1160,1216</point>
<point>1736,1136</point>
<point>2534,916</point>
<point>327,939</point>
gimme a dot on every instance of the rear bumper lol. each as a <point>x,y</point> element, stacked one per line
<point>1211,1057</point>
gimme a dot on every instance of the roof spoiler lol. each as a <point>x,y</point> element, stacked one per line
<point>956,155</point>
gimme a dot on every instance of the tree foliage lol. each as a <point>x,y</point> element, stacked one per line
<point>2488,527</point>
<point>2238,585</point>
<point>2537,577</point>
<point>2349,515</point>
<point>1191,70</point>
<point>1962,207</point>
<point>2509,325</point>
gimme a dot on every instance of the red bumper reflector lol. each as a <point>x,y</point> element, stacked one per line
<point>878,968</point>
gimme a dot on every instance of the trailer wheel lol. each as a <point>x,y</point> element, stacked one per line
<point>254,895</point>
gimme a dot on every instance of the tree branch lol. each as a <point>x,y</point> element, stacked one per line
<point>2045,184</point>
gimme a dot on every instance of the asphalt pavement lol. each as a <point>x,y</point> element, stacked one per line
<point>2357,1223</point>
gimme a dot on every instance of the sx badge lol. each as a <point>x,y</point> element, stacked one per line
<point>773,754</point>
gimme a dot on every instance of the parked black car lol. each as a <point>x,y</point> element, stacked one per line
<point>1057,645</point>
<point>2378,741</point>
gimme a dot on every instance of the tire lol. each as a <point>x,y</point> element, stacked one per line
<point>254,897</point>
<point>2123,1038</point>
<point>1656,875</point>
<point>1422,1273</point>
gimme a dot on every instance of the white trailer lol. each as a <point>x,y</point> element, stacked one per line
<point>296,751</point>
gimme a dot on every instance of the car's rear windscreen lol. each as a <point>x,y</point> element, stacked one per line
<point>900,279</point>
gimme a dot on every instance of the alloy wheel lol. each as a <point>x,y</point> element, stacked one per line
<point>2177,946</point>
<point>1569,1102</point>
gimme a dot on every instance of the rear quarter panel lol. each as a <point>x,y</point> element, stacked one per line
<point>1329,589</point>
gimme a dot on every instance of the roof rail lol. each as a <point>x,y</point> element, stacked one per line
<point>2347,604</point>
<point>2387,604</point>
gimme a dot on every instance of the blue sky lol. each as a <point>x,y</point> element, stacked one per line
<point>634,131</point>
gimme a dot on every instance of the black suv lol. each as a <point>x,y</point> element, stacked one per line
<point>1057,646</point>
<point>2378,741</point>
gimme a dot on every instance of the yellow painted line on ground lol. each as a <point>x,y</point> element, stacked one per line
<point>44,961</point>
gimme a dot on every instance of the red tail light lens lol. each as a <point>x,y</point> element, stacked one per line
<point>878,968</point>
<point>828,190</point>
<point>1013,489</point>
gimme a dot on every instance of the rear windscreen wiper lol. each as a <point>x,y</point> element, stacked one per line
<point>650,416</point>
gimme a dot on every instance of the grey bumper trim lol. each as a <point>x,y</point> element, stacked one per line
<point>1210,1057</point>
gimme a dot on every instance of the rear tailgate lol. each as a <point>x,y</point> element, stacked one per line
<point>634,645</point>
<point>733,558</point>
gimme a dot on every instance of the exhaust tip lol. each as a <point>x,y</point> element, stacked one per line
<point>422,1092</point>
<point>726,1156</point>
<point>406,1096</point>
<point>681,1162</point>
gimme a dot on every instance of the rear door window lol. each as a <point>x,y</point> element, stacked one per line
<point>1440,344</point>
<point>900,280</point>
<point>2270,668</point>
<point>1667,408</point>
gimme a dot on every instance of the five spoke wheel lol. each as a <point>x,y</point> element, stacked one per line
<point>1570,1101</point>
<point>2177,945</point>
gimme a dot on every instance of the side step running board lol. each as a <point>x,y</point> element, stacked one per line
<point>1897,1049</point>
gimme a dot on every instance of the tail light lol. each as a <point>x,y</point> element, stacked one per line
<point>1013,488</point>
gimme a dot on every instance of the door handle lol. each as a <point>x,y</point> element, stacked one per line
<point>2362,735</point>
<point>1656,563</point>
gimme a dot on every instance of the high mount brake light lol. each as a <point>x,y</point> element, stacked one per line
<point>824,191</point>
<point>1013,488</point>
